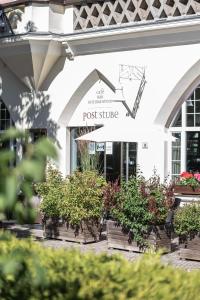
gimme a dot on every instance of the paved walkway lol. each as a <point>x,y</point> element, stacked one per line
<point>99,247</point>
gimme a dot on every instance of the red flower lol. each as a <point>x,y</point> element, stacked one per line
<point>186,175</point>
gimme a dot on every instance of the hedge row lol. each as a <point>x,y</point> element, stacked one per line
<point>30,271</point>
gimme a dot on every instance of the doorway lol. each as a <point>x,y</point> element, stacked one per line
<point>119,163</point>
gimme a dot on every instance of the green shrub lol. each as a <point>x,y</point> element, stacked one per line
<point>52,192</point>
<point>142,203</point>
<point>187,220</point>
<point>44,273</point>
<point>83,197</point>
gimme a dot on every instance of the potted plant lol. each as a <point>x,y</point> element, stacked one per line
<point>82,207</point>
<point>187,227</point>
<point>139,213</point>
<point>51,192</point>
<point>188,184</point>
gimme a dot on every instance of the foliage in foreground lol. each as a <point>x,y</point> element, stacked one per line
<point>16,180</point>
<point>44,273</point>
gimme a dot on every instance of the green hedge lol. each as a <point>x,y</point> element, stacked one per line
<point>29,271</point>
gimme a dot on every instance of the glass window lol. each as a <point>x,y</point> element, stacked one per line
<point>176,155</point>
<point>5,123</point>
<point>190,120</point>
<point>5,120</point>
<point>197,93</point>
<point>193,151</point>
<point>186,156</point>
<point>36,133</point>
<point>80,156</point>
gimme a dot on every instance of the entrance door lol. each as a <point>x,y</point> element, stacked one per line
<point>113,163</point>
<point>119,164</point>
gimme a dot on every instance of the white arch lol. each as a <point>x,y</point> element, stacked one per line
<point>80,92</point>
<point>178,95</point>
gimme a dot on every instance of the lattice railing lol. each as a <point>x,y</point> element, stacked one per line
<point>108,13</point>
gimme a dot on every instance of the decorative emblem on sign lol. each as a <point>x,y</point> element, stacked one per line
<point>127,72</point>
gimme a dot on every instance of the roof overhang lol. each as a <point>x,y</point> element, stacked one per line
<point>160,33</point>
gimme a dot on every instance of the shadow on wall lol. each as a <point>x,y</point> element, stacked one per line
<point>35,110</point>
<point>28,109</point>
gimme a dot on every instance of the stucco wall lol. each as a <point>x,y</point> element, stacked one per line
<point>164,69</point>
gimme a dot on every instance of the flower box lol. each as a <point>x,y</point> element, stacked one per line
<point>56,229</point>
<point>186,190</point>
<point>190,249</point>
<point>118,238</point>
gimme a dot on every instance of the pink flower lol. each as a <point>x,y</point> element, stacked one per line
<point>197,176</point>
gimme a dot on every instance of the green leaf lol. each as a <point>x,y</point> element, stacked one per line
<point>6,156</point>
<point>45,147</point>
<point>10,190</point>
<point>32,169</point>
<point>12,133</point>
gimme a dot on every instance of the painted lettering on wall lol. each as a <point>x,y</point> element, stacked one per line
<point>100,115</point>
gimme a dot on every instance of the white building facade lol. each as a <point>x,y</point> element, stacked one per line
<point>67,67</point>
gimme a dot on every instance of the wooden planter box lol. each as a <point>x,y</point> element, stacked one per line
<point>186,190</point>
<point>119,239</point>
<point>191,249</point>
<point>55,229</point>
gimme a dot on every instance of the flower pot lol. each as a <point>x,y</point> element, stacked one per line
<point>57,229</point>
<point>120,239</point>
<point>186,190</point>
<point>190,249</point>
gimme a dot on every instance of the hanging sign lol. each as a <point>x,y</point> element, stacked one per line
<point>109,148</point>
<point>100,147</point>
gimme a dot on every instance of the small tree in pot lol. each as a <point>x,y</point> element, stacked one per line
<point>141,209</point>
<point>187,226</point>
<point>82,207</point>
<point>52,192</point>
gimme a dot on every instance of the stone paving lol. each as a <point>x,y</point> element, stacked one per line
<point>101,246</point>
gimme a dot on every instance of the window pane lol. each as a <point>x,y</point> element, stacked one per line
<point>193,151</point>
<point>197,93</point>
<point>197,121</point>
<point>132,158</point>
<point>3,114</point>
<point>176,168</point>
<point>190,106</point>
<point>7,114</point>
<point>190,120</point>
<point>3,125</point>
<point>176,155</point>
<point>192,96</point>
<point>197,106</point>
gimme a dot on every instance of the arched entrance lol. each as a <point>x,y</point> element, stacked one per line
<point>93,105</point>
